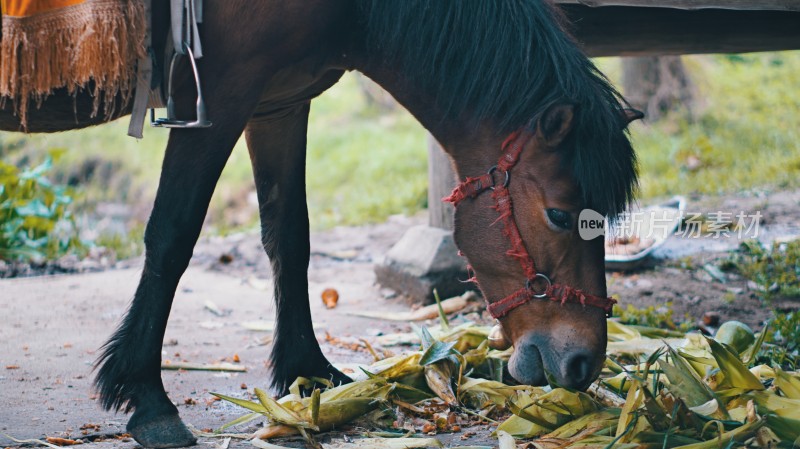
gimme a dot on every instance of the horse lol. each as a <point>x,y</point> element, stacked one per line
<point>525,116</point>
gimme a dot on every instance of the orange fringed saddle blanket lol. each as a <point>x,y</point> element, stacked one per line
<point>74,44</point>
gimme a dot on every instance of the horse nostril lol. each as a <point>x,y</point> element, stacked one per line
<point>579,371</point>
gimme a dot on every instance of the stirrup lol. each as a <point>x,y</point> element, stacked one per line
<point>171,121</point>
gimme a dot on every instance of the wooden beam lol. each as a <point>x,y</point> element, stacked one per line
<point>638,31</point>
<point>742,5</point>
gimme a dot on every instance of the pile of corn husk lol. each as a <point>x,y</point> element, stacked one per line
<point>659,389</point>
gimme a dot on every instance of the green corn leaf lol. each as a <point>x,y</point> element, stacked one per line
<point>254,406</point>
<point>240,420</point>
<point>314,407</point>
<point>789,384</point>
<point>736,373</point>
<point>278,413</point>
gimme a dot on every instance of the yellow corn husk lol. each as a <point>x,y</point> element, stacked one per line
<point>654,412</point>
<point>749,355</point>
<point>439,377</point>
<point>700,360</point>
<point>277,413</point>
<point>385,443</point>
<point>620,332</point>
<point>739,434</point>
<point>641,346</point>
<point>684,382</point>
<point>633,402</point>
<point>788,383</point>
<point>620,384</point>
<point>313,408</point>
<point>505,440</point>
<point>275,431</point>
<point>736,373</point>
<point>600,422</point>
<point>737,413</point>
<point>309,383</point>
<point>787,429</point>
<point>365,388</point>
<point>545,413</point>
<point>584,438</point>
<point>249,405</point>
<point>606,397</point>
<point>479,393</point>
<point>477,356</point>
<point>772,403</point>
<point>240,420</point>
<point>602,442</point>
<point>763,372</point>
<point>522,428</point>
<point>341,411</point>
<point>571,404</point>
<point>405,369</point>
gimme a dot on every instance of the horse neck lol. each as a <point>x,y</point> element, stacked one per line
<point>473,147</point>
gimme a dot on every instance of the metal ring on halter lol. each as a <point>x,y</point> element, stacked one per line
<point>505,182</point>
<point>529,285</point>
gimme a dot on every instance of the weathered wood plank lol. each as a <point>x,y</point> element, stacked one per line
<point>441,181</point>
<point>743,5</point>
<point>637,31</point>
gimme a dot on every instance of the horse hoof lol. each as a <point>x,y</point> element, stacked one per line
<point>160,431</point>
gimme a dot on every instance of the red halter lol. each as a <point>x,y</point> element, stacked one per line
<point>472,187</point>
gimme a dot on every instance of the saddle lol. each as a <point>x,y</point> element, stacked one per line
<point>72,45</point>
<point>119,50</point>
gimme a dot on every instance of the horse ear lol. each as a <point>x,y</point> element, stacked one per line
<point>556,122</point>
<point>629,115</point>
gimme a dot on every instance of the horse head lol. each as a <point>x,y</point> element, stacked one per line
<point>544,280</point>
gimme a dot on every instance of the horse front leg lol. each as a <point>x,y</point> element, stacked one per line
<point>278,152</point>
<point>129,376</point>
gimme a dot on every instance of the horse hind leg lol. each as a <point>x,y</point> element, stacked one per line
<point>277,151</point>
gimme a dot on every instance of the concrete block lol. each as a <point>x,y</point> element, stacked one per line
<point>423,259</point>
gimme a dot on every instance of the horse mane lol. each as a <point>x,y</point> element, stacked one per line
<point>508,61</point>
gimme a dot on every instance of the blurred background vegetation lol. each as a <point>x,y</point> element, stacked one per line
<point>367,157</point>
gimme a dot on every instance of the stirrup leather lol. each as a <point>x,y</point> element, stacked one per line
<point>186,14</point>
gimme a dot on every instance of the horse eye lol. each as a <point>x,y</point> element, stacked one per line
<point>560,218</point>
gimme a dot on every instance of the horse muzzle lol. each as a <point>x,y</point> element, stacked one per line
<point>537,361</point>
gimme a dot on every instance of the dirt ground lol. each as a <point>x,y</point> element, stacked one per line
<point>52,326</point>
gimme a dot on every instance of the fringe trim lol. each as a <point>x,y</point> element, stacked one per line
<point>96,41</point>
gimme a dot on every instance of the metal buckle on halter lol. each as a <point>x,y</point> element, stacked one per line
<point>491,173</point>
<point>548,283</point>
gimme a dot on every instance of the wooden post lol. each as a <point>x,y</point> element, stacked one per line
<point>441,181</point>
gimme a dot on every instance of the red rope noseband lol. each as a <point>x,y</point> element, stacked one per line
<point>472,187</point>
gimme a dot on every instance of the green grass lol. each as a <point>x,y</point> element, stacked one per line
<point>365,164</point>
<point>776,270</point>
<point>745,134</point>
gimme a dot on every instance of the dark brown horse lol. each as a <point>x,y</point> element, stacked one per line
<point>473,73</point>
